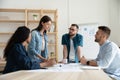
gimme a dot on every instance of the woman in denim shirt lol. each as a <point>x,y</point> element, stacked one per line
<point>16,55</point>
<point>37,47</point>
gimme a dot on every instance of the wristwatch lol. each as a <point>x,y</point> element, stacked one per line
<point>88,62</point>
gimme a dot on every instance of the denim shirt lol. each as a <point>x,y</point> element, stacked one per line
<point>77,40</point>
<point>35,46</point>
<point>18,59</point>
<point>109,59</point>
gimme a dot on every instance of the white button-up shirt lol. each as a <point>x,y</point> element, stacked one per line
<point>109,59</point>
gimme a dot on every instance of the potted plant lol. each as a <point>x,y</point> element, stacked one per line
<point>35,16</point>
<point>52,55</point>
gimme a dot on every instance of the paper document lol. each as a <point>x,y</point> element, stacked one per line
<point>66,68</point>
<point>61,68</point>
<point>72,67</point>
<point>91,67</point>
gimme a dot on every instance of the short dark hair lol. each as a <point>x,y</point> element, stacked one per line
<point>105,29</point>
<point>75,25</point>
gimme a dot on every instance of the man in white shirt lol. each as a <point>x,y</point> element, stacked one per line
<point>109,54</point>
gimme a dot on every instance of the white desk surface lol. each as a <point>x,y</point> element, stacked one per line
<point>59,72</point>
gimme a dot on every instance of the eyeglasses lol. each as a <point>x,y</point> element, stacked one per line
<point>71,29</point>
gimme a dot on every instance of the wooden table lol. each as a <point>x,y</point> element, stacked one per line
<point>2,65</point>
<point>85,75</point>
<point>66,72</point>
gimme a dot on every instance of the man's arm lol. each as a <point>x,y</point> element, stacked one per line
<point>80,44</point>
<point>79,52</point>
<point>91,62</point>
<point>65,52</point>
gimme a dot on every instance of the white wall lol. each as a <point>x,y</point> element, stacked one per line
<point>119,17</point>
<point>115,20</point>
<point>118,40</point>
<point>103,12</point>
<point>119,11</point>
<point>89,11</point>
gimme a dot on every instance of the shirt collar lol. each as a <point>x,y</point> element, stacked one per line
<point>107,41</point>
<point>43,34</point>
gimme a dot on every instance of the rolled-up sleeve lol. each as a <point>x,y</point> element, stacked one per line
<point>80,40</point>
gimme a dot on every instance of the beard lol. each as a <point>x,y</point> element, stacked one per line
<point>97,40</point>
<point>71,34</point>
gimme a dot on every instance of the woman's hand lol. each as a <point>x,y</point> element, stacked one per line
<point>48,63</point>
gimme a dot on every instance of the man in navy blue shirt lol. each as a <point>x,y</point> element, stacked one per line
<point>72,43</point>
